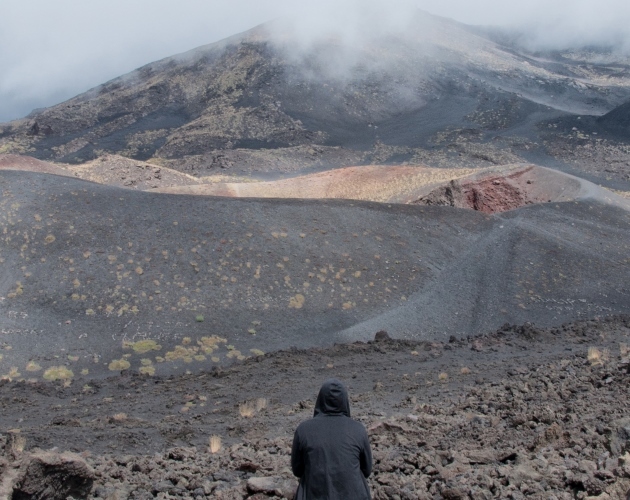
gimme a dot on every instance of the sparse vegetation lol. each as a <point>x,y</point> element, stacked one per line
<point>180,352</point>
<point>214,444</point>
<point>297,301</point>
<point>147,370</point>
<point>32,366</point>
<point>17,443</point>
<point>596,357</point>
<point>58,373</point>
<point>247,409</point>
<point>261,404</point>
<point>119,365</point>
<point>144,346</point>
<point>209,344</point>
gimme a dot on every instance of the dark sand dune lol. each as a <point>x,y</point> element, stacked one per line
<point>97,278</point>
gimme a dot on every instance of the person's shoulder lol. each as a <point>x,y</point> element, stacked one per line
<point>305,425</point>
<point>358,425</point>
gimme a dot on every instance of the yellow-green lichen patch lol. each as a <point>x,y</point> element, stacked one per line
<point>19,290</point>
<point>210,344</point>
<point>32,366</point>
<point>119,365</point>
<point>144,346</point>
<point>257,352</point>
<point>235,353</point>
<point>181,352</point>
<point>146,362</point>
<point>58,373</point>
<point>297,301</point>
<point>147,370</point>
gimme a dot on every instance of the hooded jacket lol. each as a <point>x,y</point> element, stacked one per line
<point>331,452</point>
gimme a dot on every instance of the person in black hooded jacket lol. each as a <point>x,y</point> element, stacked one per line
<point>331,452</point>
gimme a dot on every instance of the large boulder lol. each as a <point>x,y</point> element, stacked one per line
<point>619,438</point>
<point>274,485</point>
<point>46,475</point>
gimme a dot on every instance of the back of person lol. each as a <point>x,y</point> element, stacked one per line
<point>331,452</point>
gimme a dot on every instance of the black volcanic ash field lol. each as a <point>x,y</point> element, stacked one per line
<point>97,278</point>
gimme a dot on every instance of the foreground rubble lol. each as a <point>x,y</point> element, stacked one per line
<point>553,427</point>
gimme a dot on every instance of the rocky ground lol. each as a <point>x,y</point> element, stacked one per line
<point>523,412</point>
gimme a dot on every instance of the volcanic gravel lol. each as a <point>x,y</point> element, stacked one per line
<point>523,412</point>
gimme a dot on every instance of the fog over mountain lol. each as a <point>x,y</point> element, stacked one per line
<point>51,52</point>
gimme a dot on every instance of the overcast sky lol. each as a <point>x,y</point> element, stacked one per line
<point>53,50</point>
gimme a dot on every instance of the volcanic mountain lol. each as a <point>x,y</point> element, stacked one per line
<point>438,93</point>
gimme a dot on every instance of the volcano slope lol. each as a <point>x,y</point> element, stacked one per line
<point>98,279</point>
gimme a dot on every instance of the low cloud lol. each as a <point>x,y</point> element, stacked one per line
<point>51,51</point>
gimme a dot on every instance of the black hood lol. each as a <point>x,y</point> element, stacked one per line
<point>332,399</point>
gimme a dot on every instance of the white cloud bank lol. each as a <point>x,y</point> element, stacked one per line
<point>51,51</point>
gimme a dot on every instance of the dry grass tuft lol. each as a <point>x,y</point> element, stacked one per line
<point>596,357</point>
<point>261,404</point>
<point>624,349</point>
<point>32,366</point>
<point>119,417</point>
<point>247,409</point>
<point>18,444</point>
<point>465,370</point>
<point>443,377</point>
<point>214,444</point>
